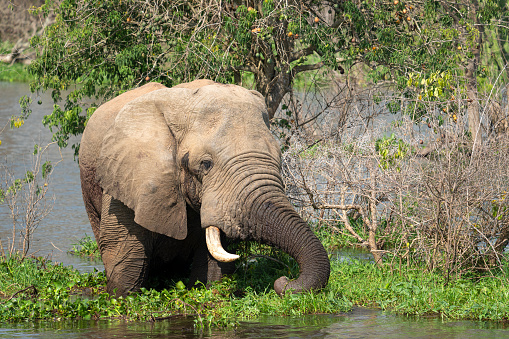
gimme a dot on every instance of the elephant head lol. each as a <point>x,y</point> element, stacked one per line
<point>207,146</point>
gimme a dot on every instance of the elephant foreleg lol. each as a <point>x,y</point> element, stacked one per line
<point>124,247</point>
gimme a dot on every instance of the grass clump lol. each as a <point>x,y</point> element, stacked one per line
<point>86,247</point>
<point>412,291</point>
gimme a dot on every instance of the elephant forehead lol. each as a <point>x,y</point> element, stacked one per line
<point>230,114</point>
<point>233,108</point>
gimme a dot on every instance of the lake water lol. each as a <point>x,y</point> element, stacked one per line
<point>67,224</point>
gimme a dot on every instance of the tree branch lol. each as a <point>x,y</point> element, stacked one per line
<point>302,53</point>
<point>303,68</point>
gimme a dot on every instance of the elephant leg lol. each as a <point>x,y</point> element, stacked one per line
<point>207,269</point>
<point>92,197</point>
<point>125,248</point>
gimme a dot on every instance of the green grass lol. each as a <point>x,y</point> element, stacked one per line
<point>414,292</point>
<point>15,72</point>
<point>38,289</point>
<point>86,247</point>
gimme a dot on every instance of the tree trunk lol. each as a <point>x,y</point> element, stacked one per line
<point>473,107</point>
<point>273,86</point>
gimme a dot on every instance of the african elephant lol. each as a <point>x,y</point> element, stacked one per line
<point>165,172</point>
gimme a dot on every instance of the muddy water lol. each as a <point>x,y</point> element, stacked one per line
<point>67,223</point>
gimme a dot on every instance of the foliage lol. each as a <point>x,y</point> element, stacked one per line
<point>391,149</point>
<point>18,273</point>
<point>38,289</point>
<point>408,290</point>
<point>108,47</point>
<point>436,86</point>
<point>86,247</point>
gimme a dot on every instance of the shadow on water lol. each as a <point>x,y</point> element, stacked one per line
<point>68,223</point>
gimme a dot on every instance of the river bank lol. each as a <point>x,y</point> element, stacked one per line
<point>35,288</point>
<point>12,72</point>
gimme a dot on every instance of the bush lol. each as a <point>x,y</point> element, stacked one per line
<point>411,190</point>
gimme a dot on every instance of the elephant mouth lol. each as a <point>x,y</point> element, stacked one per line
<point>213,238</point>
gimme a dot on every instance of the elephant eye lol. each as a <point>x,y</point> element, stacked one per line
<point>206,165</point>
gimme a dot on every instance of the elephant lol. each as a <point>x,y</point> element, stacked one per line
<point>166,173</point>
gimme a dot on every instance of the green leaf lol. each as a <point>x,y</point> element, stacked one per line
<point>46,169</point>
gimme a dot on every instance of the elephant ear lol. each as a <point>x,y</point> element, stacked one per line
<point>137,165</point>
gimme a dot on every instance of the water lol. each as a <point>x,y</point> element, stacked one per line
<point>360,323</point>
<point>67,223</point>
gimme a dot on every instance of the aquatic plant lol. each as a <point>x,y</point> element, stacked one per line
<point>36,288</point>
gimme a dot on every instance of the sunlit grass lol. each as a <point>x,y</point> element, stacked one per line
<point>86,247</point>
<point>38,289</point>
<point>14,73</point>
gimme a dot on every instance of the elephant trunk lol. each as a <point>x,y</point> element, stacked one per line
<point>282,227</point>
<point>258,209</point>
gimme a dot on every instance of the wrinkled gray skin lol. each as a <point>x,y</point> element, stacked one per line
<point>159,165</point>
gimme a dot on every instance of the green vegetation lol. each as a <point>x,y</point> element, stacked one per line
<point>35,289</point>
<point>86,247</point>
<point>426,50</point>
<point>38,289</point>
<point>441,61</point>
<point>412,291</point>
<point>15,72</point>
<point>391,150</point>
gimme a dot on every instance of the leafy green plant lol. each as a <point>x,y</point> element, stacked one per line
<point>435,86</point>
<point>39,289</point>
<point>86,247</point>
<point>391,150</point>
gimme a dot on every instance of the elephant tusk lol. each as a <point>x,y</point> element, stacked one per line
<point>214,245</point>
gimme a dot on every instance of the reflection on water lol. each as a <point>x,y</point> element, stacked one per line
<point>360,323</point>
<point>67,223</point>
